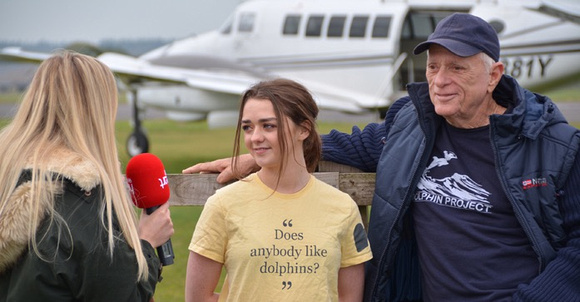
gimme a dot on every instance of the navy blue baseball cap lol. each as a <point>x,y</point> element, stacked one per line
<point>464,35</point>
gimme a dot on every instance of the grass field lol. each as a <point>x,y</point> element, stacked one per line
<point>180,145</point>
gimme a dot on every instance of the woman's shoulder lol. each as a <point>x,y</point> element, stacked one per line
<point>329,193</point>
<point>71,165</point>
<point>80,209</point>
<point>235,191</point>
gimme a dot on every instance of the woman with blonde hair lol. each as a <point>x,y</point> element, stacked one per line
<point>68,230</point>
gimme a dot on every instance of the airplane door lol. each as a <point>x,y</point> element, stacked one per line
<point>417,27</point>
<point>246,23</point>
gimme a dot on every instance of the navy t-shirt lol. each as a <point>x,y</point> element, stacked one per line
<point>471,246</point>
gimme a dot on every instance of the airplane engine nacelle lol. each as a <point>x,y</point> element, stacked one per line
<point>222,119</point>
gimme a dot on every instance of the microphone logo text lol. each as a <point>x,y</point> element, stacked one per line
<point>163,182</point>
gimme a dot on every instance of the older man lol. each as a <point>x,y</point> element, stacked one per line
<point>478,182</point>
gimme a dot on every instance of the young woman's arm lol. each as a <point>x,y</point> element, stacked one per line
<point>351,282</point>
<point>201,279</point>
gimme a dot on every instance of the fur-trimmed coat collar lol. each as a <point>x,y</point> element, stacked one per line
<point>14,234</point>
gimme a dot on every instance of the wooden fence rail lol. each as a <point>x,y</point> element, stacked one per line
<point>194,189</point>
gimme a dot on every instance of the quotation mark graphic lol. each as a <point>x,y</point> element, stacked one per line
<point>284,284</point>
<point>287,223</point>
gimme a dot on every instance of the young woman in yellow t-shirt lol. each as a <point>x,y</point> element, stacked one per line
<point>281,234</point>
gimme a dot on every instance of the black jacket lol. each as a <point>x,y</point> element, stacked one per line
<point>81,269</point>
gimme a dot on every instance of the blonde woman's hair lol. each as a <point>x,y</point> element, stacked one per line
<point>71,103</point>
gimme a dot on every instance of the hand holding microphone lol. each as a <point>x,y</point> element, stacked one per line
<point>149,190</point>
<point>156,228</point>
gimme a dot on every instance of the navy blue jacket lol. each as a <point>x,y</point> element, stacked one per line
<point>531,139</point>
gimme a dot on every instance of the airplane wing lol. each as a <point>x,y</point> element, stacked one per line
<point>345,100</point>
<point>18,55</point>
<point>230,81</point>
<point>134,69</point>
<point>566,10</point>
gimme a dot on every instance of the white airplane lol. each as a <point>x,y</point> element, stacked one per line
<point>355,56</point>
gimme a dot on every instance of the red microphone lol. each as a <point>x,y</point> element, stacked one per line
<point>149,189</point>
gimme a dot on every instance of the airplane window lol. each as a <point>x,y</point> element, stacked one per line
<point>291,25</point>
<point>422,25</point>
<point>406,33</point>
<point>438,18</point>
<point>314,26</point>
<point>381,27</point>
<point>336,26</point>
<point>358,26</point>
<point>227,30</point>
<point>246,23</point>
<point>227,27</point>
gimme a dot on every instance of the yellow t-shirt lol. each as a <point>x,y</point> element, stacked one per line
<point>281,247</point>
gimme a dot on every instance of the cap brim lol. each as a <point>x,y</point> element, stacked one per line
<point>458,48</point>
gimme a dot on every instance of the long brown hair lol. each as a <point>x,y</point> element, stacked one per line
<point>289,99</point>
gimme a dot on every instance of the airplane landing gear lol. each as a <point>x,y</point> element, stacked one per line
<point>137,143</point>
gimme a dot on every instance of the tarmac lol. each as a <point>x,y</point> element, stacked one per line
<point>571,111</point>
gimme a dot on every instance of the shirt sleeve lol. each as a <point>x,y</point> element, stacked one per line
<point>355,246</point>
<point>210,237</point>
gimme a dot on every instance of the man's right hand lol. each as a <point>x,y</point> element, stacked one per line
<point>246,165</point>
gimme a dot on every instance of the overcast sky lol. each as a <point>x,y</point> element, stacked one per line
<point>94,20</point>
